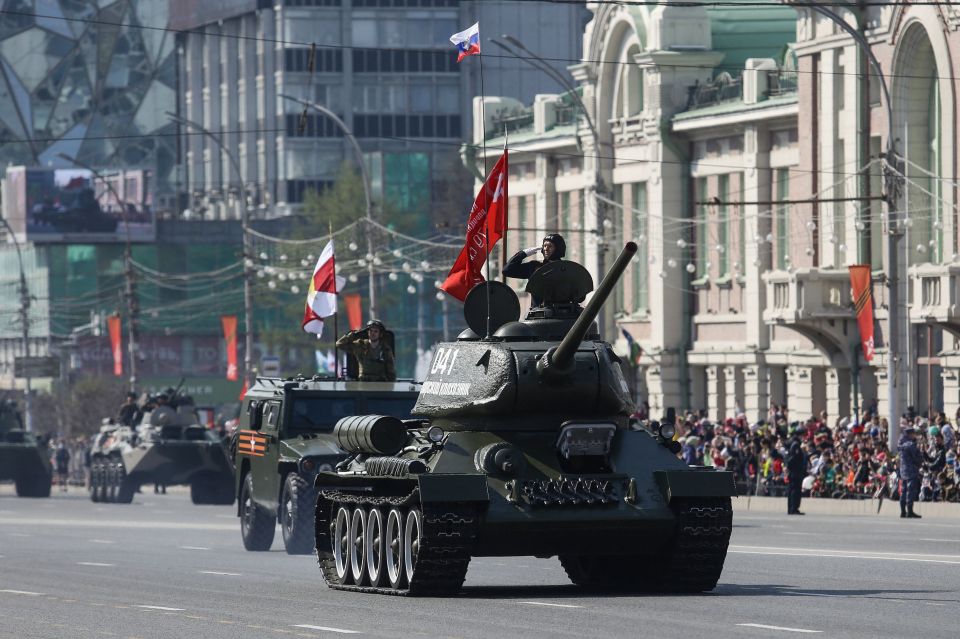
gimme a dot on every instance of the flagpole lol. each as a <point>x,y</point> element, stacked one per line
<point>486,204</point>
<point>336,308</point>
<point>506,207</point>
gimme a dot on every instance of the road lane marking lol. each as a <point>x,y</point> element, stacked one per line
<point>101,541</point>
<point>112,525</point>
<point>164,608</point>
<point>23,592</point>
<point>95,563</point>
<point>223,574</point>
<point>784,628</point>
<point>804,534</point>
<point>844,554</point>
<point>949,541</point>
<point>18,534</point>
<point>552,605</point>
<point>192,548</point>
<point>342,631</point>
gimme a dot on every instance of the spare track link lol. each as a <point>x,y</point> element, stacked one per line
<point>449,533</point>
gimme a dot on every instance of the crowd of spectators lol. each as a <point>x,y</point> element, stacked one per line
<point>847,458</point>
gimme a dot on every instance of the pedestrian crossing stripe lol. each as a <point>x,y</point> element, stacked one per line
<point>252,443</point>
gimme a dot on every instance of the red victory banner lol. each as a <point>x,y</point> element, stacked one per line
<point>354,310</point>
<point>863,304</point>
<point>229,323</point>
<point>485,227</point>
<point>113,326</point>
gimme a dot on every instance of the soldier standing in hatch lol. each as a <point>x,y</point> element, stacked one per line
<point>373,354</point>
<point>553,248</point>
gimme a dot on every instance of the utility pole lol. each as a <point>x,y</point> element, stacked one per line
<point>243,214</point>
<point>130,285</point>
<point>25,322</point>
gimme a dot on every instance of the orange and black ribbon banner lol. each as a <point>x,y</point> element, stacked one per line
<point>252,443</point>
<point>113,327</point>
<point>863,304</point>
<point>229,323</point>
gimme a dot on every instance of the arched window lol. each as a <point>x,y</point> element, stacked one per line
<point>628,97</point>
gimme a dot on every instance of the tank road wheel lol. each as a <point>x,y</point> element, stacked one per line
<point>413,531</point>
<point>95,482</point>
<point>376,568</point>
<point>256,527</point>
<point>342,543</point>
<point>296,515</point>
<point>393,548</point>
<point>358,546</point>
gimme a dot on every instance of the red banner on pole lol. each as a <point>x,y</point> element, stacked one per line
<point>863,304</point>
<point>113,326</point>
<point>229,323</point>
<point>487,219</point>
<point>354,310</point>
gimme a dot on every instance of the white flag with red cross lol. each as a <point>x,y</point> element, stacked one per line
<point>322,295</point>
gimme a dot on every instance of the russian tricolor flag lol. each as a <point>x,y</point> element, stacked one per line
<point>467,41</point>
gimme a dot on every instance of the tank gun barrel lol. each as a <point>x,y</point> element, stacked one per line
<point>559,361</point>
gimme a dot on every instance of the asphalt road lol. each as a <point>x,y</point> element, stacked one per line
<point>165,568</point>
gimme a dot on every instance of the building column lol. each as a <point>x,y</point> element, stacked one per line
<point>883,397</point>
<point>664,386</point>
<point>800,392</point>
<point>838,393</point>
<point>716,393</point>
<point>756,398</point>
<point>733,389</point>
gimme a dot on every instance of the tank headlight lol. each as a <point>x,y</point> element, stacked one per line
<point>668,431</point>
<point>325,468</point>
<point>308,464</point>
<point>435,434</point>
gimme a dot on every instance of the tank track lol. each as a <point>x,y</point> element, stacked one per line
<point>449,533</point>
<point>691,562</point>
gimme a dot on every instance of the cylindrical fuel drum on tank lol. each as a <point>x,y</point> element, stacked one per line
<point>371,434</point>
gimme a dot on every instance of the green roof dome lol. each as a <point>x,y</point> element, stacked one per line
<point>750,32</point>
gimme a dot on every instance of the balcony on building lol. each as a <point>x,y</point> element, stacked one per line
<point>935,291</point>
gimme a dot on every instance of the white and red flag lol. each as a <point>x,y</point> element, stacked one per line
<point>467,41</point>
<point>322,295</point>
<point>485,227</point>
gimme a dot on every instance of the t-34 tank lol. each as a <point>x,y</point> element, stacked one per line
<point>523,448</point>
<point>168,447</point>
<point>24,458</point>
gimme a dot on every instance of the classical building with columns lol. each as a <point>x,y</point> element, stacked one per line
<point>741,148</point>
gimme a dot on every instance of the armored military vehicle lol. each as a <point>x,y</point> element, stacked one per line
<point>24,458</point>
<point>522,446</point>
<point>285,438</point>
<point>168,447</point>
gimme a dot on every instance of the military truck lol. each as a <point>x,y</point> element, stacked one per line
<point>285,438</point>
<point>167,447</point>
<point>521,445</point>
<point>24,458</point>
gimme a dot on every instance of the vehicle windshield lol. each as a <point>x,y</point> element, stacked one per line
<point>395,407</point>
<point>319,414</point>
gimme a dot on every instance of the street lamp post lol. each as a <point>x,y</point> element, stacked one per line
<point>133,307</point>
<point>244,215</point>
<point>893,232</point>
<point>367,190</point>
<point>25,321</point>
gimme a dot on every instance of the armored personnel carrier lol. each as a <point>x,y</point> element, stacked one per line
<point>522,446</point>
<point>24,458</point>
<point>168,447</point>
<point>285,438</point>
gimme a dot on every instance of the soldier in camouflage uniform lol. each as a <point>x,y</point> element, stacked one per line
<point>373,354</point>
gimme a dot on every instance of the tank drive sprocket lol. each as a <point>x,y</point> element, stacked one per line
<point>416,549</point>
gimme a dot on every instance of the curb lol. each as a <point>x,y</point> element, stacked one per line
<point>857,507</point>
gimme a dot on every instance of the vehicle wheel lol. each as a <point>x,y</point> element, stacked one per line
<point>256,527</point>
<point>112,480</point>
<point>412,532</point>
<point>102,486</point>
<point>358,546</point>
<point>376,566</point>
<point>95,482</point>
<point>393,548</point>
<point>126,490</point>
<point>297,505</point>
<point>341,543</point>
<point>33,485</point>
<point>200,490</point>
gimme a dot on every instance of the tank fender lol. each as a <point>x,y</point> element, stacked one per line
<point>695,483</point>
<point>453,487</point>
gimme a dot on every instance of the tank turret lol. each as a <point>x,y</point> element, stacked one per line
<point>522,446</point>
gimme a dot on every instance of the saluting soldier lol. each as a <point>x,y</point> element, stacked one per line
<point>373,354</point>
<point>552,248</point>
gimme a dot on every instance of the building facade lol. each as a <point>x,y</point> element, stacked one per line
<point>739,149</point>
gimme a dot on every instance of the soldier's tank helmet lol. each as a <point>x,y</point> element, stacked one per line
<point>557,240</point>
<point>376,323</point>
